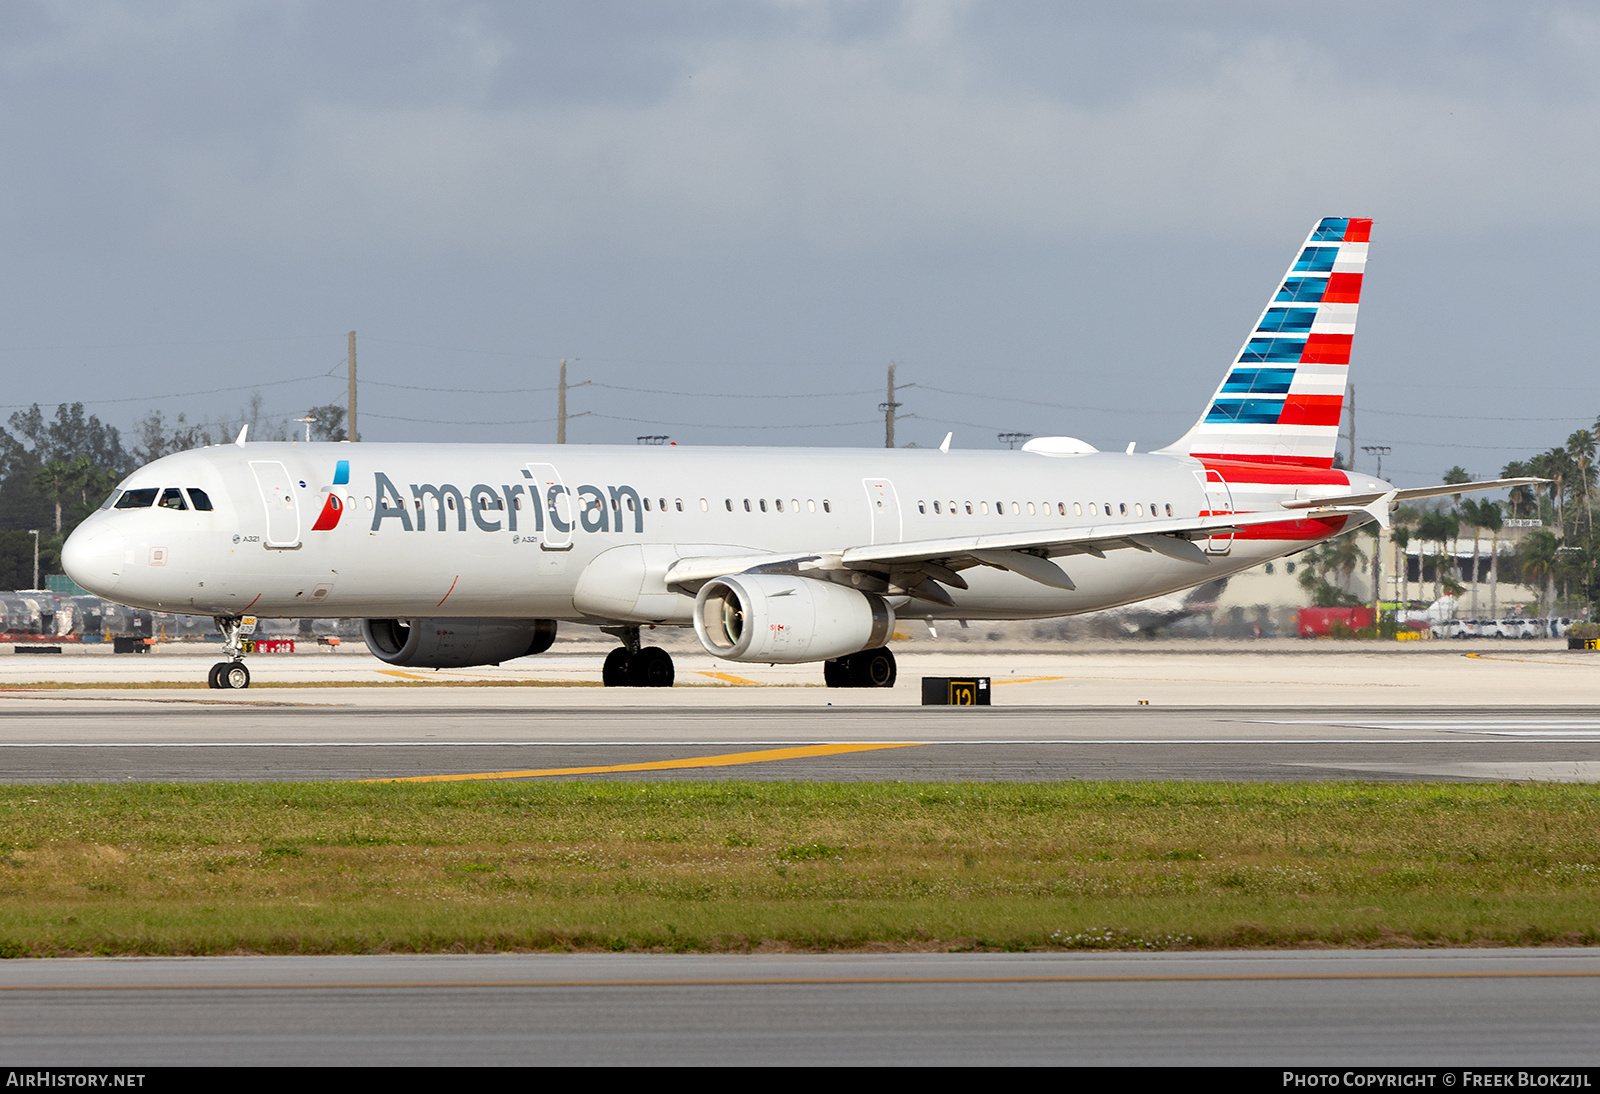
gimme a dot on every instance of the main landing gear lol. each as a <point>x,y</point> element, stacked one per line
<point>230,674</point>
<point>873,668</point>
<point>632,665</point>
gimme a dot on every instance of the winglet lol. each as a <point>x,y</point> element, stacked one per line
<point>242,431</point>
<point>1382,510</point>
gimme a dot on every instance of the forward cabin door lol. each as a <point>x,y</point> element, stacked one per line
<point>557,513</point>
<point>884,504</point>
<point>283,513</point>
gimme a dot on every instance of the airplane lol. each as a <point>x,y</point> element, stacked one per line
<point>461,555</point>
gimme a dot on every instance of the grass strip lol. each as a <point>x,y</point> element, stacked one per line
<point>736,866</point>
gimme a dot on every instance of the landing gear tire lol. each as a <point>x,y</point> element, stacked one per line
<point>651,667</point>
<point>874,668</point>
<point>229,676</point>
<point>615,672</point>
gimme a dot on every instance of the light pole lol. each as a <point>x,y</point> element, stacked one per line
<point>1380,450</point>
<point>35,534</point>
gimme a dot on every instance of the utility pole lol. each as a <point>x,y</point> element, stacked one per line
<point>1350,397</point>
<point>889,406</point>
<point>350,421</point>
<point>35,535</point>
<point>561,405</point>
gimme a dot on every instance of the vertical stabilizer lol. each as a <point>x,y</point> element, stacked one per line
<point>1281,400</point>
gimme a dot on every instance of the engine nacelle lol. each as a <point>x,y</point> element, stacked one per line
<point>781,619</point>
<point>456,643</point>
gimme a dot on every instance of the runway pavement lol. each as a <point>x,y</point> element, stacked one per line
<point>1230,711</point>
<point>337,741</point>
<point>1445,1009</point>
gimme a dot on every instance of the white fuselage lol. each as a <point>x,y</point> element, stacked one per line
<point>511,531</point>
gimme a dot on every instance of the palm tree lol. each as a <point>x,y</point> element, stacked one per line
<point>1470,514</point>
<point>1490,517</point>
<point>1521,496</point>
<point>1437,526</point>
<point>1580,449</point>
<point>1400,534</point>
<point>1539,554</point>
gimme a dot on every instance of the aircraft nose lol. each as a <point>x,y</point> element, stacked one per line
<point>93,557</point>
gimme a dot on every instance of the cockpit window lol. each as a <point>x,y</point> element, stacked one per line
<point>172,498</point>
<point>201,501</point>
<point>112,500</point>
<point>138,499</point>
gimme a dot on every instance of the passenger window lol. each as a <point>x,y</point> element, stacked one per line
<point>729,503</point>
<point>827,507</point>
<point>936,508</point>
<point>763,505</point>
<point>366,502</point>
<point>969,508</point>
<point>202,502</point>
<point>646,505</point>
<point>794,505</point>
<point>747,505</point>
<point>1122,509</point>
<point>1138,508</point>
<point>172,498</point>
<point>1030,509</point>
<point>450,501</point>
<point>1169,508</point>
<point>1077,509</point>
<point>680,504</point>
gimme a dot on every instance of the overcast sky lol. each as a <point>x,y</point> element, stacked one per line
<point>1057,218</point>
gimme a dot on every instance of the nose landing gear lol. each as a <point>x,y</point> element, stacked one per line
<point>231,674</point>
<point>632,665</point>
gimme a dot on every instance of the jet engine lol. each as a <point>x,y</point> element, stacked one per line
<point>780,619</point>
<point>456,643</point>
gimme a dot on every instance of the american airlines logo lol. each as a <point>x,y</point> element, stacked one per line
<point>548,507</point>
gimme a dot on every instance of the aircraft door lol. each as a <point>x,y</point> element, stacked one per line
<point>884,504</point>
<point>283,512</point>
<point>557,513</point>
<point>1219,499</point>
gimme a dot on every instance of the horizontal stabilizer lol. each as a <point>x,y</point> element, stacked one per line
<point>1411,493</point>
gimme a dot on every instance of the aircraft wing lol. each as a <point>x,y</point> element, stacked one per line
<point>918,567</point>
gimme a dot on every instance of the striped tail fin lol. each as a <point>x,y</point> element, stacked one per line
<point>1282,398</point>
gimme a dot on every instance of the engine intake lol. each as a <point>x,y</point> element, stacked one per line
<point>456,643</point>
<point>785,620</point>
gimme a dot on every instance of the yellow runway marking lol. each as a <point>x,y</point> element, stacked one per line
<point>1533,660</point>
<point>730,759</point>
<point>402,675</point>
<point>730,679</point>
<point>1028,680</point>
